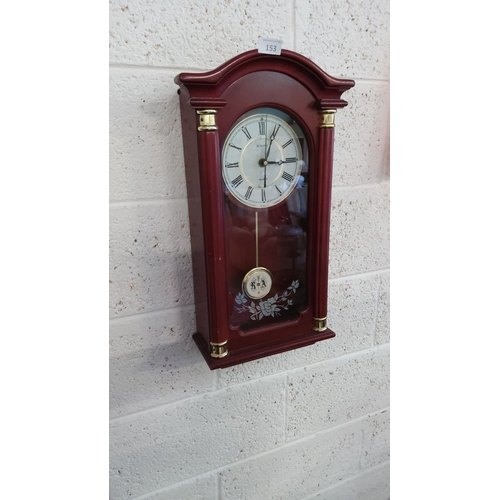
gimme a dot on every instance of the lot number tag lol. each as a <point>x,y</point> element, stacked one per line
<point>269,46</point>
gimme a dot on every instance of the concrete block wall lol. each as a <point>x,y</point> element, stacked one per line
<point>311,423</point>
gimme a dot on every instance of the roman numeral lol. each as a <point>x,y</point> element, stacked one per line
<point>263,192</point>
<point>287,144</point>
<point>290,160</point>
<point>287,177</point>
<point>231,165</point>
<point>262,128</point>
<point>235,147</point>
<point>236,182</point>
<point>278,189</point>
<point>246,132</point>
<point>248,193</point>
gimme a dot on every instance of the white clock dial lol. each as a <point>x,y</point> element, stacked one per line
<point>261,160</point>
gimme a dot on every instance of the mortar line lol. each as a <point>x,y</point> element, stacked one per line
<point>173,69</point>
<point>143,201</point>
<point>262,454</point>
<point>372,81</point>
<point>218,485</point>
<point>153,313</point>
<point>377,301</point>
<point>363,274</point>
<point>285,431</point>
<point>367,274</point>
<point>179,402</point>
<point>217,381</point>
<point>360,451</point>
<point>189,399</point>
<point>159,201</point>
<point>360,186</point>
<point>347,480</point>
<point>134,67</point>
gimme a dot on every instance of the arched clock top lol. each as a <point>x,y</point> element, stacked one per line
<point>205,88</point>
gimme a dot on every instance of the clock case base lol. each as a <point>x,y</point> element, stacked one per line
<point>236,357</point>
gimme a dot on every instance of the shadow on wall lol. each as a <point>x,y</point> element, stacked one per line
<point>154,361</point>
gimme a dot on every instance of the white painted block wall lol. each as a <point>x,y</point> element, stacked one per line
<point>311,423</point>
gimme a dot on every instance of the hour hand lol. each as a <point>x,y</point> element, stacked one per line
<point>279,162</point>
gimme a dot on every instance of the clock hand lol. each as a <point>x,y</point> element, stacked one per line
<point>268,150</point>
<point>267,153</point>
<point>265,140</point>
<point>271,139</point>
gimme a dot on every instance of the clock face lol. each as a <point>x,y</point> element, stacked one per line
<point>262,158</point>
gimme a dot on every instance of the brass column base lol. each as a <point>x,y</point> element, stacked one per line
<point>218,350</point>
<point>319,324</point>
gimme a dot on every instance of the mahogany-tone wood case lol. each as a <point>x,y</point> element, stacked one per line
<point>290,239</point>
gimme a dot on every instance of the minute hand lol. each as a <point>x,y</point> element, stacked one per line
<point>271,139</point>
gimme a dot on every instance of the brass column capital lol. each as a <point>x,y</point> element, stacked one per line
<point>327,118</point>
<point>207,119</point>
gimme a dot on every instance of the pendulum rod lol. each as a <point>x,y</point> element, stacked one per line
<point>256,239</point>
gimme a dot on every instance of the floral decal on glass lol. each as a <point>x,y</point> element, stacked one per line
<point>268,307</point>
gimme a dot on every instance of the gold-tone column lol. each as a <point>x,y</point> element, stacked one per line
<point>209,160</point>
<point>322,239</point>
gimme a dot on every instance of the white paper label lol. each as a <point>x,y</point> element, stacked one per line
<point>269,46</point>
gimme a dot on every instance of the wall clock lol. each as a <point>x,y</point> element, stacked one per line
<point>258,136</point>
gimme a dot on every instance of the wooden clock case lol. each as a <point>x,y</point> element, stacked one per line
<point>210,104</point>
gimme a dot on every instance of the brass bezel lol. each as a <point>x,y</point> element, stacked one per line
<point>256,113</point>
<point>249,275</point>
